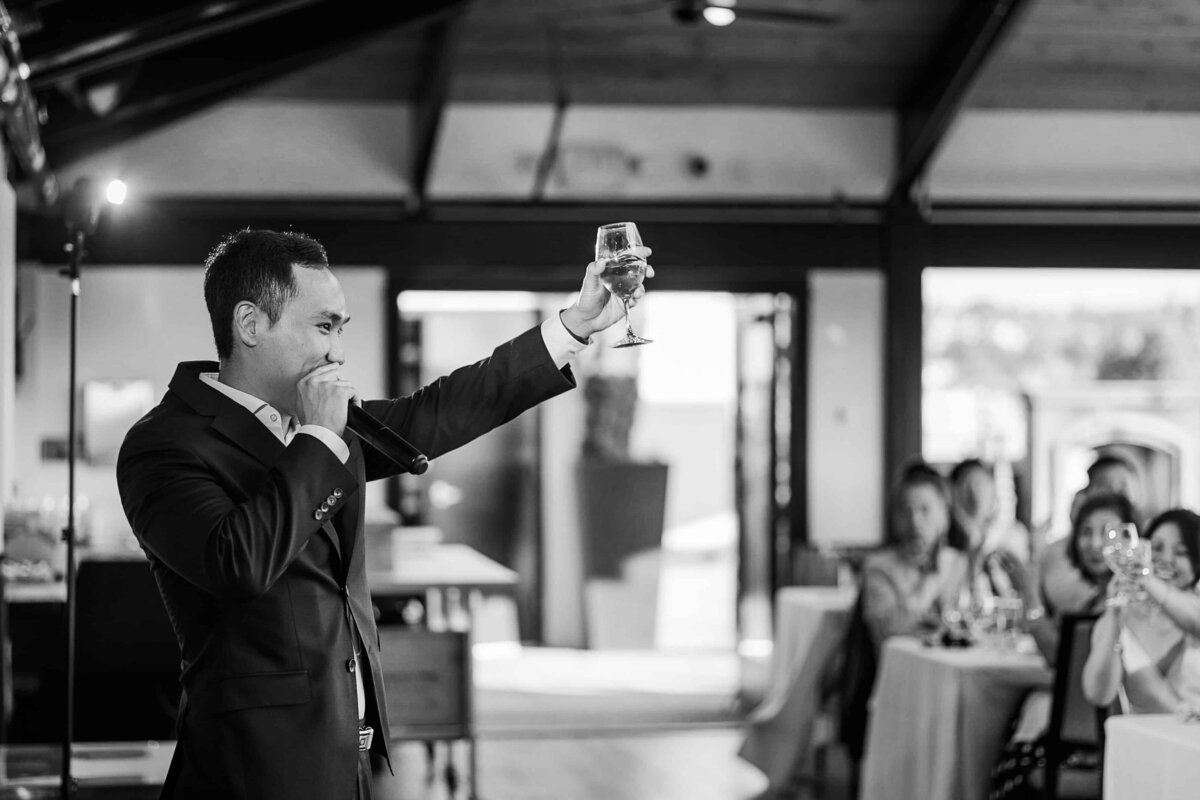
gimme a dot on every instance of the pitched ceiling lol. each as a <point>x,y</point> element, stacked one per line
<point>103,71</point>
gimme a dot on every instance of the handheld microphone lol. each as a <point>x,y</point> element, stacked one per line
<point>386,441</point>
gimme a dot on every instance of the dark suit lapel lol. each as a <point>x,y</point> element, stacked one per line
<point>236,424</point>
<point>244,430</point>
<point>348,522</point>
<point>230,419</point>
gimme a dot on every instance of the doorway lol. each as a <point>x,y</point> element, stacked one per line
<point>514,495</point>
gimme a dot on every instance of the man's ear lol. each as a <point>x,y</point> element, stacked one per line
<point>248,322</point>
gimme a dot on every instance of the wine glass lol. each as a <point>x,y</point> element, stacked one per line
<point>624,269</point>
<point>1126,556</point>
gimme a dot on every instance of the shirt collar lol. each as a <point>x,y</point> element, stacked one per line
<point>277,422</point>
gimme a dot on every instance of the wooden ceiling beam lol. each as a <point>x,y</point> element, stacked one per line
<point>436,68</point>
<point>171,85</point>
<point>958,61</point>
<point>99,50</point>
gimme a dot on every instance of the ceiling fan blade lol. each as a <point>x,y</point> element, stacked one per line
<point>794,17</point>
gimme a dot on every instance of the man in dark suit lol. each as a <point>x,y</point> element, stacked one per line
<point>245,490</point>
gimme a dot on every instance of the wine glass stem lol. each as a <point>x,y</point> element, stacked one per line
<point>628,325</point>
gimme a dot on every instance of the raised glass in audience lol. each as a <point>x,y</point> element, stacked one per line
<point>1128,557</point>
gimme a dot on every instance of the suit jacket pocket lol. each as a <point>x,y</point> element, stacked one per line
<point>261,689</point>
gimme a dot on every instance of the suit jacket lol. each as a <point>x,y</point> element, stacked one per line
<point>266,591</point>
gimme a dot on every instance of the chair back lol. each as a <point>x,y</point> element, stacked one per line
<point>850,678</point>
<point>1073,719</point>
<point>122,625</point>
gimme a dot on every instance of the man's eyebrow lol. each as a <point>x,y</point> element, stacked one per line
<point>334,317</point>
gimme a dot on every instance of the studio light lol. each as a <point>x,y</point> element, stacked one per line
<point>116,191</point>
<point>86,201</point>
<point>720,17</point>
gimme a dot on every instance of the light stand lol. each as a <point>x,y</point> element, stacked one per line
<point>81,215</point>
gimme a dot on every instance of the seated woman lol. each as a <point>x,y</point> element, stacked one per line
<point>996,544</point>
<point>978,525</point>
<point>905,585</point>
<point>908,583</point>
<point>1151,649</point>
<point>1083,552</point>
<point>1023,749</point>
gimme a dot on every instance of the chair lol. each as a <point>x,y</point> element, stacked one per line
<point>1075,733</point>
<point>126,654</point>
<point>845,689</point>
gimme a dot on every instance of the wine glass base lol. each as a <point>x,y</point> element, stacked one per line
<point>632,341</point>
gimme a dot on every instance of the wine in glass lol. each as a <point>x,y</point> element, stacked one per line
<point>624,269</point>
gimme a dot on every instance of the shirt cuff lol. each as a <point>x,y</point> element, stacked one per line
<point>331,440</point>
<point>560,342</point>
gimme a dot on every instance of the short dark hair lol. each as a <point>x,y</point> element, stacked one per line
<point>1109,460</point>
<point>912,474</point>
<point>1188,523</point>
<point>965,466</point>
<point>254,265</point>
<point>1118,503</point>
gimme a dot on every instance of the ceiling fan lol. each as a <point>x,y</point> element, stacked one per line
<point>723,12</point>
<point>715,12</point>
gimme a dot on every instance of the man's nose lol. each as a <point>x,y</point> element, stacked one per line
<point>336,355</point>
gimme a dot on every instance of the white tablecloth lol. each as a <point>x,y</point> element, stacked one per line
<point>809,624</point>
<point>1151,757</point>
<point>938,718</point>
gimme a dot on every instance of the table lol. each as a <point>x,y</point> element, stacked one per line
<point>1151,757</point>
<point>427,671</point>
<point>939,716</point>
<point>810,622</point>
<point>417,568</point>
<point>116,769</point>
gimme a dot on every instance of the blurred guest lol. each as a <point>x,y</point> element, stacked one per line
<point>1111,474</point>
<point>1089,570</point>
<point>976,518</point>
<point>1060,579</point>
<point>1151,649</point>
<point>1023,748</point>
<point>997,546</point>
<point>905,586</point>
<point>909,582</point>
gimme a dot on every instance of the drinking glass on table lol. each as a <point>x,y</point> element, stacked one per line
<point>1010,612</point>
<point>616,245</point>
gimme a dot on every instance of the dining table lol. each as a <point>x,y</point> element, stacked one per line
<point>939,716</point>
<point>1151,757</point>
<point>810,622</point>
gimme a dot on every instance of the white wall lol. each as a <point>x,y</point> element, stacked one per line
<point>265,148</point>
<point>845,408</point>
<point>1026,156</point>
<point>261,146</point>
<point>491,151</point>
<point>139,322</point>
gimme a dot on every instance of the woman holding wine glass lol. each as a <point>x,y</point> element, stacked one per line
<point>1150,647</point>
<point>1024,748</point>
